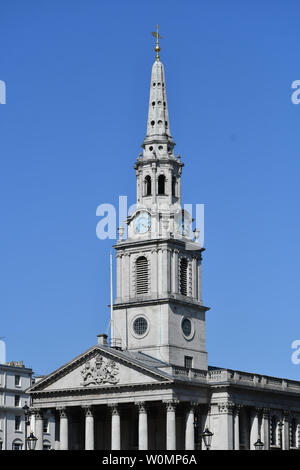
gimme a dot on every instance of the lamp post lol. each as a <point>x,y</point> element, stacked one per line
<point>27,422</point>
<point>207,438</point>
<point>259,445</point>
<point>30,442</point>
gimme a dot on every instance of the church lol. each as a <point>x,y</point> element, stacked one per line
<point>151,387</point>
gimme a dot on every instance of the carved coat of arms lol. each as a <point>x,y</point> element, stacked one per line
<point>99,371</point>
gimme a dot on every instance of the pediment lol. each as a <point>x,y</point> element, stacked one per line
<point>99,367</point>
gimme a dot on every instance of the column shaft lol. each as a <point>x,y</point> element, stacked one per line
<point>171,426</point>
<point>115,429</point>
<point>39,430</point>
<point>143,427</point>
<point>89,429</point>
<point>190,430</point>
<point>63,430</point>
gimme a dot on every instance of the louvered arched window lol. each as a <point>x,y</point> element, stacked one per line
<point>183,276</point>
<point>142,275</point>
<point>147,190</point>
<point>161,184</point>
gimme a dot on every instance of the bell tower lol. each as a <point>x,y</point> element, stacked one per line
<point>158,308</point>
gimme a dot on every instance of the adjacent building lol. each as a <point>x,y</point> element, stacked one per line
<point>152,387</point>
<point>15,379</point>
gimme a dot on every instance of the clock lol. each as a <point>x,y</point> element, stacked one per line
<point>142,222</point>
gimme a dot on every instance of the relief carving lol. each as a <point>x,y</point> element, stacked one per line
<point>99,371</point>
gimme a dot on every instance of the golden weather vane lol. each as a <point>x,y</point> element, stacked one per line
<point>157,48</point>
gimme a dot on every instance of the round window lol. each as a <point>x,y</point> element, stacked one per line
<point>186,326</point>
<point>140,326</point>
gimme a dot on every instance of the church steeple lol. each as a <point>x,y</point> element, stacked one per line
<point>158,308</point>
<point>158,126</point>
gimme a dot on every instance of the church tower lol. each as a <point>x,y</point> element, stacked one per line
<point>158,308</point>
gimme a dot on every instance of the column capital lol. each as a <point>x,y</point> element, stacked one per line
<point>88,410</point>
<point>38,413</point>
<point>62,410</point>
<point>142,407</point>
<point>266,412</point>
<point>226,407</point>
<point>170,404</point>
<point>114,408</point>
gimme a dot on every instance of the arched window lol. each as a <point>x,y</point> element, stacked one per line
<point>183,276</point>
<point>173,186</point>
<point>161,184</point>
<point>147,191</point>
<point>142,275</point>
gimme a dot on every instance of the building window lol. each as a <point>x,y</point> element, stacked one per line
<point>188,362</point>
<point>17,423</point>
<point>161,184</point>
<point>147,191</point>
<point>46,425</point>
<point>17,400</point>
<point>142,275</point>
<point>183,276</point>
<point>17,381</point>
<point>173,186</point>
<point>17,445</point>
<point>186,326</point>
<point>140,326</point>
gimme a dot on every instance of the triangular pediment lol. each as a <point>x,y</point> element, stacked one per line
<point>99,367</point>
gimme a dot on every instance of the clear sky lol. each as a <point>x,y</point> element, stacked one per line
<point>77,76</point>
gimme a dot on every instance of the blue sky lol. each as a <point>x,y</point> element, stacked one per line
<point>77,76</point>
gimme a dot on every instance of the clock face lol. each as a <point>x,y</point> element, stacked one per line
<point>142,222</point>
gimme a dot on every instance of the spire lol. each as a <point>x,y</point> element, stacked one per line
<point>158,128</point>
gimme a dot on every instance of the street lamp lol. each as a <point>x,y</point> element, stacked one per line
<point>207,437</point>
<point>259,445</point>
<point>31,441</point>
<point>27,422</point>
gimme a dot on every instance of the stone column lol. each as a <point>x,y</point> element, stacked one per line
<point>236,416</point>
<point>175,271</point>
<point>143,426</point>
<point>39,429</point>
<point>266,428</point>
<point>226,425</point>
<point>286,431</point>
<point>190,428</point>
<point>119,274</point>
<point>255,429</point>
<point>199,287</point>
<point>115,428</point>
<point>153,183</point>
<point>154,278</point>
<point>63,429</point>
<point>89,427</point>
<point>171,425</point>
<point>194,277</point>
